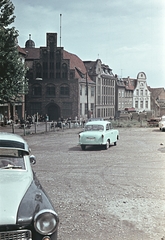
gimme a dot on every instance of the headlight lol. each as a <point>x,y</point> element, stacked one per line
<point>45,222</point>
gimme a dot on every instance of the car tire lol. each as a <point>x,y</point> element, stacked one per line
<point>115,143</point>
<point>107,145</point>
<point>83,147</point>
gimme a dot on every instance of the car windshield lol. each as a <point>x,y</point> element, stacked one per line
<point>163,118</point>
<point>11,159</point>
<point>94,127</point>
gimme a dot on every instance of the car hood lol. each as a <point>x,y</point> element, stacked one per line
<point>13,186</point>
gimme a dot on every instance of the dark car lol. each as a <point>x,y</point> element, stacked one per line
<point>26,212</point>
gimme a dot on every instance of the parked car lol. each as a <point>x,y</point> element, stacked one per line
<point>153,122</point>
<point>26,212</point>
<point>98,133</point>
<point>162,123</point>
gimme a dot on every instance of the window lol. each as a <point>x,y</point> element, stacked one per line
<point>80,109</point>
<point>92,107</point>
<point>85,108</point>
<point>146,104</point>
<point>36,90</point>
<point>51,65</point>
<point>107,127</point>
<point>137,92</point>
<point>38,70</point>
<point>50,90</point>
<point>136,104</point>
<point>141,92</point>
<point>92,91</point>
<point>51,55</point>
<point>141,104</point>
<point>57,74</point>
<point>64,70</point>
<point>57,65</point>
<point>64,90</point>
<point>80,89</point>
<point>98,113</point>
<point>98,100</point>
<point>86,89</point>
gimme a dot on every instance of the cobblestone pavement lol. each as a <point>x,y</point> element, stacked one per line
<point>117,193</point>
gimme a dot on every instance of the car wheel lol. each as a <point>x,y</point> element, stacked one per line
<point>83,147</point>
<point>115,143</point>
<point>107,145</point>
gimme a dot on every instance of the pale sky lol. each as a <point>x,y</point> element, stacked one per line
<point>127,35</point>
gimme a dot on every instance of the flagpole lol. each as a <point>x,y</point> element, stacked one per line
<point>60,28</point>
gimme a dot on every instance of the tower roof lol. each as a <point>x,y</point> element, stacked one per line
<point>30,43</point>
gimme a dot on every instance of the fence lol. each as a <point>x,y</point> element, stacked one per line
<point>40,127</point>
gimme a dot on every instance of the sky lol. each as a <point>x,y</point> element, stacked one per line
<point>127,35</point>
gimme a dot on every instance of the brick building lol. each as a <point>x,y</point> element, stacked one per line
<point>56,78</point>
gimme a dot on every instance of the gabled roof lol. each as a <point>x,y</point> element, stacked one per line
<point>21,51</point>
<point>32,53</point>
<point>91,67</point>
<point>130,83</point>
<point>77,64</point>
<point>156,92</point>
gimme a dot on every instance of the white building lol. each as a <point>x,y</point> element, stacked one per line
<point>141,95</point>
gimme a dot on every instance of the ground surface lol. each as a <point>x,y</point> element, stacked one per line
<point>117,193</point>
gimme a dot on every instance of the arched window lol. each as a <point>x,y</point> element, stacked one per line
<point>64,90</point>
<point>50,90</point>
<point>36,90</point>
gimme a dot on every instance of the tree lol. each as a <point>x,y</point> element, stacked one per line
<point>12,70</point>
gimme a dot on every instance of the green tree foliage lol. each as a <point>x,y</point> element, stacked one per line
<point>12,70</point>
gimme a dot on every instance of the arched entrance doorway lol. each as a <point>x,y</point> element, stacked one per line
<point>53,111</point>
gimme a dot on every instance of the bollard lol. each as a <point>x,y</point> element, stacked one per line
<point>35,127</point>
<point>24,130</point>
<point>13,130</point>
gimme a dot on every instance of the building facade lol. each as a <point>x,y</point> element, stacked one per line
<point>157,101</point>
<point>141,95</point>
<point>56,78</point>
<point>104,79</point>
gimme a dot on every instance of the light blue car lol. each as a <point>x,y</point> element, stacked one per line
<point>98,133</point>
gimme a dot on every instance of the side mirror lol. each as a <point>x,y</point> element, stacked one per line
<point>32,159</point>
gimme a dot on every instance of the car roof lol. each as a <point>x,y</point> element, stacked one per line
<point>10,140</point>
<point>102,122</point>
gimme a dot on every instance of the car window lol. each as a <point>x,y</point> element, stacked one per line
<point>94,127</point>
<point>8,162</point>
<point>11,159</point>
<point>107,127</point>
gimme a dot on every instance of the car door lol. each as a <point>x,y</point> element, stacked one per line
<point>112,133</point>
<point>109,134</point>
